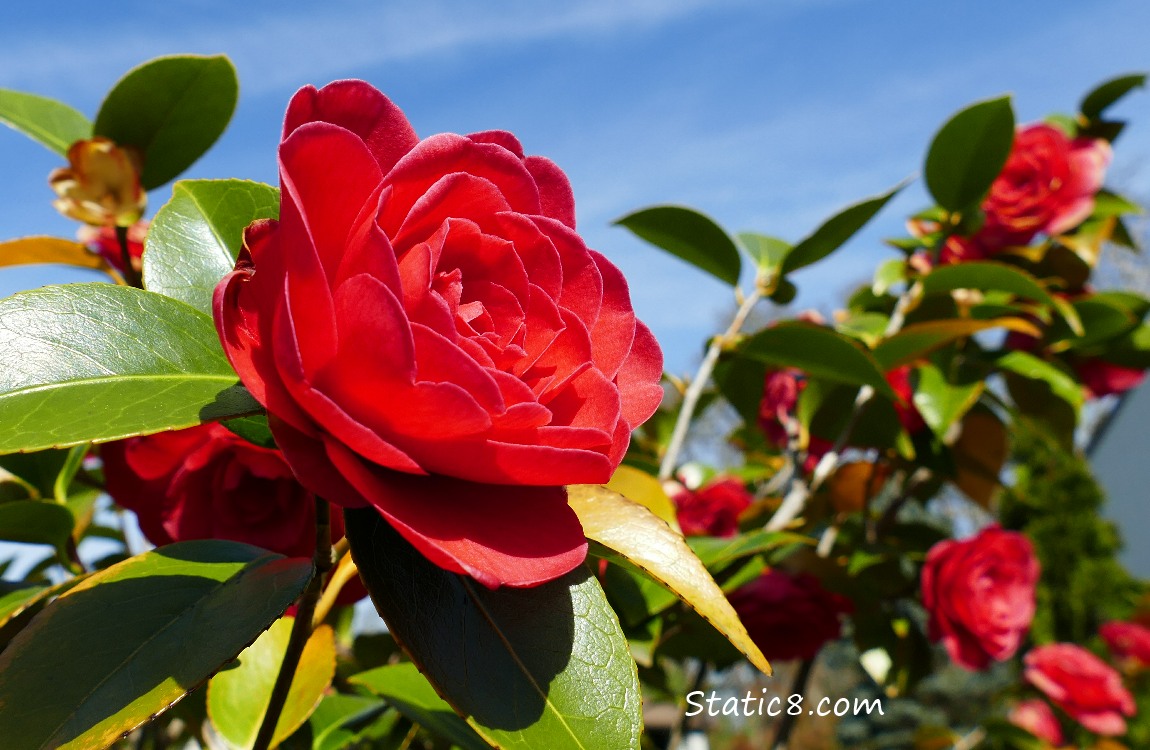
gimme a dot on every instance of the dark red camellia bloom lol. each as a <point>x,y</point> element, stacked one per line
<point>1128,641</point>
<point>789,616</point>
<point>1082,685</point>
<point>208,483</point>
<point>712,510</point>
<point>980,595</point>
<point>781,391</point>
<point>432,338</point>
<point>1101,378</point>
<point>103,242</point>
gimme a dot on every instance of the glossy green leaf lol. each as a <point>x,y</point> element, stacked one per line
<point>690,236</point>
<point>717,553</point>
<point>36,522</point>
<point>1102,320</point>
<point>52,123</point>
<point>411,694</point>
<point>96,362</point>
<point>254,429</point>
<point>986,276</point>
<point>767,252</point>
<point>835,231</point>
<point>172,109</point>
<point>195,238</point>
<point>920,339</point>
<point>529,668</point>
<point>968,153</point>
<point>1105,94</point>
<point>818,351</point>
<point>651,545</point>
<point>14,600</point>
<point>888,274</point>
<point>1061,384</point>
<point>339,721</point>
<point>941,402</point>
<point>129,641</point>
<point>238,696</point>
<point>16,613</point>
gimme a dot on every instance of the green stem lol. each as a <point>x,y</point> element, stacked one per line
<point>798,687</point>
<point>301,628</point>
<point>131,275</point>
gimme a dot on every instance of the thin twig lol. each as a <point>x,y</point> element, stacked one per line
<point>131,275</point>
<point>344,571</point>
<point>699,382</point>
<point>798,687</point>
<point>301,628</point>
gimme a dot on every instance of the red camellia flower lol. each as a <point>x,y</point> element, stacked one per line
<point>208,483</point>
<point>789,616</point>
<point>908,413</point>
<point>1082,685</point>
<point>1036,717</point>
<point>1128,641</point>
<point>712,510</point>
<point>1047,186</point>
<point>432,338</point>
<point>1101,378</point>
<point>781,391</point>
<point>980,595</point>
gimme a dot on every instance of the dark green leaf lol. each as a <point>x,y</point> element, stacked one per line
<point>986,276</point>
<point>411,694</point>
<point>1061,384</point>
<point>1102,319</point>
<point>36,522</point>
<point>1105,94</point>
<point>528,668</point>
<point>172,109</point>
<point>195,237</point>
<point>13,600</point>
<point>52,123</point>
<point>254,429</point>
<point>835,231</point>
<point>689,235</point>
<point>920,339</point>
<point>129,641</point>
<point>968,153</point>
<point>96,362</point>
<point>818,351</point>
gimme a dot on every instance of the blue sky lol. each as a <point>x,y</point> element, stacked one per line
<point>766,115</point>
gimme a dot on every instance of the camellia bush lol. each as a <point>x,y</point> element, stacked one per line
<point>403,374</point>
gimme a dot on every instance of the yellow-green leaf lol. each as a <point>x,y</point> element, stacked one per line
<point>920,339</point>
<point>238,697</point>
<point>650,544</point>
<point>27,250</point>
<point>646,490</point>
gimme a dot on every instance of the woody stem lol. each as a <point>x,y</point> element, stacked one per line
<point>301,628</point>
<point>131,275</point>
<point>699,382</point>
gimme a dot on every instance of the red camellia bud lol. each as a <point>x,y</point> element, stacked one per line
<point>1036,717</point>
<point>1088,689</point>
<point>432,338</point>
<point>712,510</point>
<point>980,595</point>
<point>208,483</point>
<point>1129,642</point>
<point>1101,378</point>
<point>101,185</point>
<point>789,616</point>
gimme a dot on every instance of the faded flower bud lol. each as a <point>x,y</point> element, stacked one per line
<point>101,185</point>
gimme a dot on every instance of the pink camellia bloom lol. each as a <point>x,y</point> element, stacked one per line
<point>1128,641</point>
<point>103,242</point>
<point>1035,716</point>
<point>712,510</point>
<point>1088,689</point>
<point>789,616</point>
<point>980,595</point>
<point>1047,186</point>
<point>432,338</point>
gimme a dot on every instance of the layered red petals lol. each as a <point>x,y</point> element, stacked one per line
<point>433,339</point>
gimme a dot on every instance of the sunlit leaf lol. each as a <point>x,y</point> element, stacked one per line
<point>941,402</point>
<point>96,362</point>
<point>1062,384</point>
<point>131,640</point>
<point>646,490</point>
<point>52,123</point>
<point>917,340</point>
<point>238,697</point>
<point>690,236</point>
<point>194,239</point>
<point>27,250</point>
<point>650,544</point>
<point>818,351</point>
